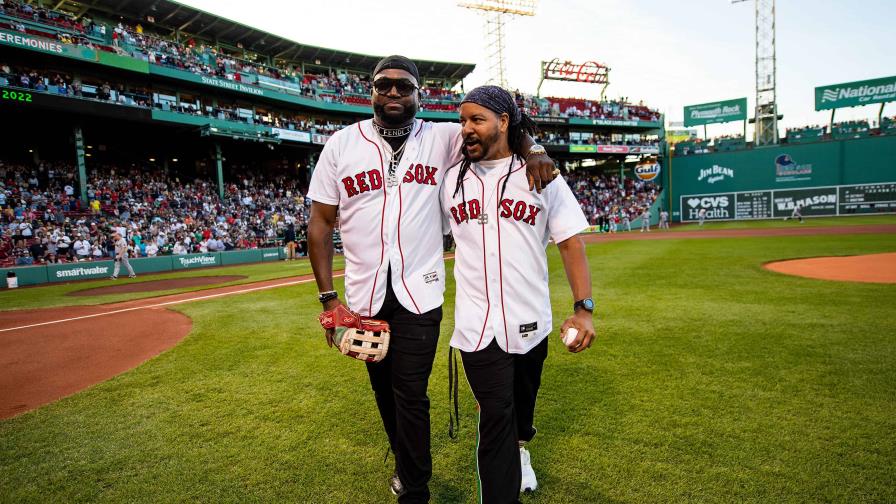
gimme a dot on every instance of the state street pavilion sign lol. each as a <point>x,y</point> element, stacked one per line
<point>715,112</point>
<point>852,94</point>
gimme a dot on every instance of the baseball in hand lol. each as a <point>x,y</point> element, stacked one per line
<point>569,337</point>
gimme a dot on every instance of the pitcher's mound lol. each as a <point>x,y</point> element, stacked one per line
<point>157,285</point>
<point>874,268</point>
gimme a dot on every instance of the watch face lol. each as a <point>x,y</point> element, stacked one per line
<point>589,304</point>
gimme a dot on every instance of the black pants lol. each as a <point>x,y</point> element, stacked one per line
<point>506,387</point>
<point>399,384</point>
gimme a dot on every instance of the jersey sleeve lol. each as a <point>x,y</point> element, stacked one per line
<point>449,135</point>
<point>565,216</point>
<point>323,187</point>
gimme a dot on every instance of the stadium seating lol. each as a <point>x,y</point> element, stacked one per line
<point>727,144</point>
<point>806,134</point>
<point>203,58</point>
<point>850,129</point>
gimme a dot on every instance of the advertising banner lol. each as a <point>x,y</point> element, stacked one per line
<point>293,135</point>
<point>815,201</point>
<point>272,254</point>
<point>780,203</point>
<point>79,271</point>
<point>189,261</point>
<point>853,94</point>
<point>717,207</point>
<point>47,46</point>
<point>573,121</point>
<point>613,149</point>
<point>715,112</point>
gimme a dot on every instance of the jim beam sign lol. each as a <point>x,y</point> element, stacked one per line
<point>852,94</point>
<point>716,206</point>
<point>715,173</point>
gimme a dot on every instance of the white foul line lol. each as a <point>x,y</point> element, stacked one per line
<point>166,303</point>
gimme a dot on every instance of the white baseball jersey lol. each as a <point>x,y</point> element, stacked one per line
<point>500,264</point>
<point>385,223</point>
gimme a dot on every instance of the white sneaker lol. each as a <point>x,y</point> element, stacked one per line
<point>528,483</point>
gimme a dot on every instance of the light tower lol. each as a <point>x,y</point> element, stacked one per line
<point>766,128</point>
<point>497,13</point>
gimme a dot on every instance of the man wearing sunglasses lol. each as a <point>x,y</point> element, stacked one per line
<point>382,176</point>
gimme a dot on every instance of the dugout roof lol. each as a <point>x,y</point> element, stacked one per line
<point>174,16</point>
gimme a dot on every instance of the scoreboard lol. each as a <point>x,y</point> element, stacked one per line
<point>868,198</point>
<point>753,205</point>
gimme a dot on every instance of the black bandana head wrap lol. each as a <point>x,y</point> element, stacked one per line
<point>398,63</point>
<point>496,99</point>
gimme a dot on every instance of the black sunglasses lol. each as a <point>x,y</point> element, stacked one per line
<point>403,86</point>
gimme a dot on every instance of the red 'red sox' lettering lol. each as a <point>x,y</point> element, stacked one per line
<point>362,182</point>
<point>470,212</point>
<point>425,175</point>
<point>519,211</point>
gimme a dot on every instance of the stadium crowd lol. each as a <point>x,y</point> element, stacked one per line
<point>43,220</point>
<point>610,203</point>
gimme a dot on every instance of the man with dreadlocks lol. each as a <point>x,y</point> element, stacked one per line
<point>382,176</point>
<point>503,305</point>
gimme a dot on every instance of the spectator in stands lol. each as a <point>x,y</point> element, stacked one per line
<point>81,248</point>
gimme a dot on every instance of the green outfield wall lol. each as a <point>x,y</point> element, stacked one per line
<point>838,177</point>
<point>67,272</point>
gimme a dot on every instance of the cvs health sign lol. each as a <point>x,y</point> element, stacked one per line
<point>716,206</point>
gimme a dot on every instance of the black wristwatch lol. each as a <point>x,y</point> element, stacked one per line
<point>323,297</point>
<point>585,304</point>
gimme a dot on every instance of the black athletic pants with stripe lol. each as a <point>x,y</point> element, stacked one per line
<point>399,384</point>
<point>506,387</point>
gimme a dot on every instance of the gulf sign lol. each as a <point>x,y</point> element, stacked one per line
<point>647,171</point>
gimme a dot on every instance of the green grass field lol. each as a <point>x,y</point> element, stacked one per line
<point>712,380</point>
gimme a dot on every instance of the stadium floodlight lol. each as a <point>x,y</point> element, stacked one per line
<point>766,127</point>
<point>497,13</point>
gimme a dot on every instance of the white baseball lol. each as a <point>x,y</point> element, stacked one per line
<point>569,337</point>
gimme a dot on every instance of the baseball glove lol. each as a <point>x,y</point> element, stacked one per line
<point>362,338</point>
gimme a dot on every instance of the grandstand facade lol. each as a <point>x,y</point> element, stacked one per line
<point>122,111</point>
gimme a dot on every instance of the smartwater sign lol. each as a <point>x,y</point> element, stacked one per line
<point>715,112</point>
<point>79,271</point>
<point>778,203</point>
<point>852,94</point>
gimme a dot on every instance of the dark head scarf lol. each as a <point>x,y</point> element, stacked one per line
<point>397,62</point>
<point>499,101</point>
<point>496,99</point>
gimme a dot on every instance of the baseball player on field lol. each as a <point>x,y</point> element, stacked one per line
<point>503,305</point>
<point>383,177</point>
<point>121,256</point>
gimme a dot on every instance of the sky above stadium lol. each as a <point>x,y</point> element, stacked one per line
<point>669,54</point>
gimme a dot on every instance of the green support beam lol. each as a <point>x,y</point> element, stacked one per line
<point>220,166</point>
<point>79,158</point>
